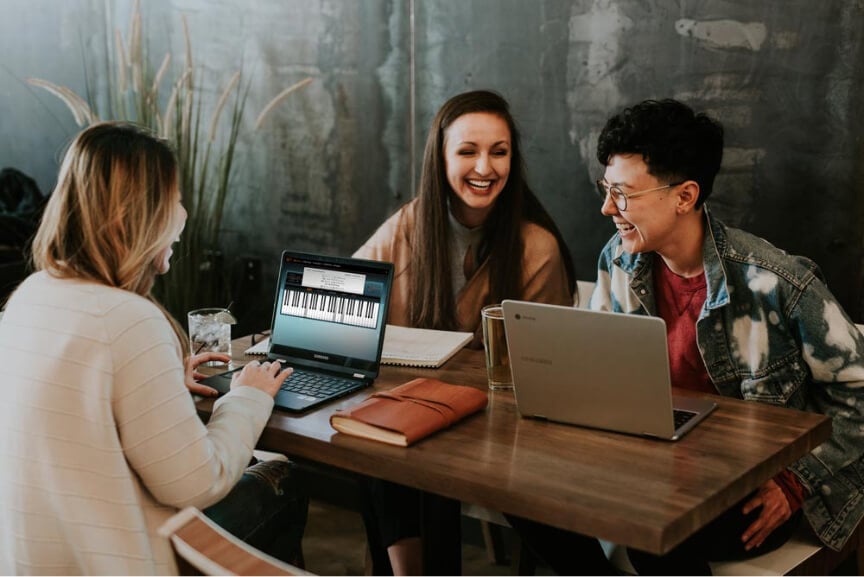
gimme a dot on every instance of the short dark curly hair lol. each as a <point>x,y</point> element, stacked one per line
<point>675,142</point>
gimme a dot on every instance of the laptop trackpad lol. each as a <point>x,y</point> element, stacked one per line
<point>294,401</point>
<point>220,382</point>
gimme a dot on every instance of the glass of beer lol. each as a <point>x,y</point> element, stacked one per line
<point>495,344</point>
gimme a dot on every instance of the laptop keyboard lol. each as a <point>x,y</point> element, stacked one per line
<point>681,417</point>
<point>316,385</point>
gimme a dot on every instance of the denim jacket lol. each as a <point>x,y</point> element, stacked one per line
<point>770,331</point>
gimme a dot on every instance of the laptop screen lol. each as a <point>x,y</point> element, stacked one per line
<point>330,311</point>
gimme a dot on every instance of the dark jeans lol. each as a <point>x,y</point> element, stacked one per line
<point>266,510</point>
<point>720,540</point>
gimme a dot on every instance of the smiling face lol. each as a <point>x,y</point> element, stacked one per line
<point>649,223</point>
<point>477,153</point>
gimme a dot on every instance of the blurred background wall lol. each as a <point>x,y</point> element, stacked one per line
<point>336,158</point>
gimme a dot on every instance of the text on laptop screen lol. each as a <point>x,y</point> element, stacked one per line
<point>329,312</point>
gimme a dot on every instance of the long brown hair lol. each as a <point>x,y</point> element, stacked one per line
<point>431,302</point>
<point>112,212</point>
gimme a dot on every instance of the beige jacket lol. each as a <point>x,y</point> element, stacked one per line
<point>544,275</point>
<point>100,441</point>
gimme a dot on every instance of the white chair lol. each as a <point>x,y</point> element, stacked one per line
<point>803,554</point>
<point>201,547</point>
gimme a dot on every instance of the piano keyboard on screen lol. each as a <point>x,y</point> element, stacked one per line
<point>337,308</point>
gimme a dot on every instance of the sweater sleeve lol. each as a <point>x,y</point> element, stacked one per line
<point>382,244</point>
<point>374,248</point>
<point>181,461</point>
<point>545,276</point>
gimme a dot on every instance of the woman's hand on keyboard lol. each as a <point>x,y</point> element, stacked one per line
<point>265,376</point>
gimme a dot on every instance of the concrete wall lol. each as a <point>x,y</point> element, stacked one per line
<point>784,76</point>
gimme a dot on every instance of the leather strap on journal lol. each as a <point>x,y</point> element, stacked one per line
<point>449,415</point>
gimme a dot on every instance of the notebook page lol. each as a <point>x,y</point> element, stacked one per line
<point>421,347</point>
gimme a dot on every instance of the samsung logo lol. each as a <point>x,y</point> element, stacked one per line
<point>322,357</point>
<point>537,360</point>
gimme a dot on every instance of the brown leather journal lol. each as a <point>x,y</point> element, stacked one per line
<point>409,412</point>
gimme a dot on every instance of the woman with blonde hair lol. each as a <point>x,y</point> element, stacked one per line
<point>100,441</point>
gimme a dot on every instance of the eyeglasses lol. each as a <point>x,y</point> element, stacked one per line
<point>619,197</point>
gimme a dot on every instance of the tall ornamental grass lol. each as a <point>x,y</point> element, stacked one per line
<point>204,136</point>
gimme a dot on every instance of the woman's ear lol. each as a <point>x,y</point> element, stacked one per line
<point>688,194</point>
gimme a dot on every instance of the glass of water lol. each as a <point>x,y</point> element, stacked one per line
<point>210,331</point>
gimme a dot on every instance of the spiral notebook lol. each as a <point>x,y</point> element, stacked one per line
<point>429,348</point>
<point>407,347</point>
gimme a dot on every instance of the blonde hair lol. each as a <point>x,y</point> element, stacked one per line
<point>112,212</point>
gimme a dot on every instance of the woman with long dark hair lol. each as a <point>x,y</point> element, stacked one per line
<point>476,233</point>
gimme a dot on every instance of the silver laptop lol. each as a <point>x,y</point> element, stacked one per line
<point>596,369</point>
<point>328,323</point>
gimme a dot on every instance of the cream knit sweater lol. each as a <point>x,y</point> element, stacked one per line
<point>99,438</point>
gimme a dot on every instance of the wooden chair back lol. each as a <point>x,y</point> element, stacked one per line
<point>201,547</point>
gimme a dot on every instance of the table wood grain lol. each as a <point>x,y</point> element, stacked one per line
<point>644,493</point>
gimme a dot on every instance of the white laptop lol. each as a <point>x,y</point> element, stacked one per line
<point>596,369</point>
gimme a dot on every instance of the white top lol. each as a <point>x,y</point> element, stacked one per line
<point>99,438</point>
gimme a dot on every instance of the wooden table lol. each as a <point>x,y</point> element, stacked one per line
<point>643,493</point>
